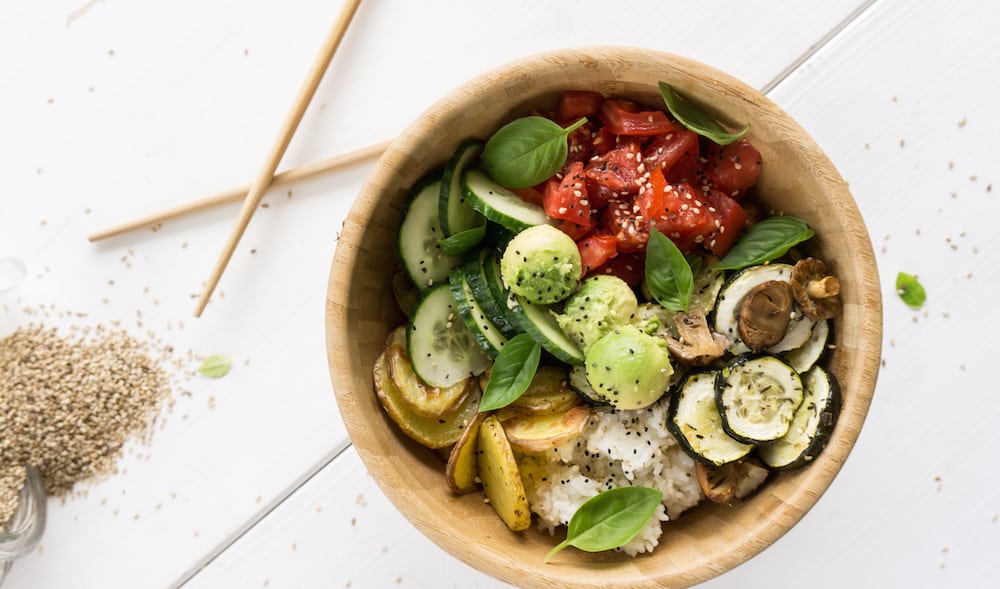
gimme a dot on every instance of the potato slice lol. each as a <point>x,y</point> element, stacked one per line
<point>540,433</point>
<point>500,476</point>
<point>430,432</point>
<point>548,393</point>
<point>461,470</point>
<point>426,401</point>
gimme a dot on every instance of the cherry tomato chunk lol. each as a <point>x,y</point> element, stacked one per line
<point>734,168</point>
<point>574,104</point>
<point>625,118</point>
<point>596,250</point>
<point>566,197</point>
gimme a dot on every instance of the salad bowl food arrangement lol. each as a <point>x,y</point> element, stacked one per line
<point>605,298</point>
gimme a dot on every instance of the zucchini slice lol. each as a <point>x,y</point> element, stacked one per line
<point>483,330</point>
<point>757,397</point>
<point>455,213</point>
<point>499,204</point>
<point>419,232</point>
<point>811,427</point>
<point>441,348</point>
<point>727,307</point>
<point>539,323</point>
<point>805,356</point>
<point>694,419</point>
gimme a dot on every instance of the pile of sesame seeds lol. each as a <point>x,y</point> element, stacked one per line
<point>69,404</point>
<point>12,478</point>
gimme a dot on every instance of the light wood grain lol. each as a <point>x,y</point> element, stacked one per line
<point>266,174</point>
<point>235,194</point>
<point>709,540</point>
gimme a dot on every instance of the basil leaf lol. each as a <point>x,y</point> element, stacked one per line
<point>668,274</point>
<point>512,372</point>
<point>610,519</point>
<point>527,151</point>
<point>697,120</point>
<point>215,366</point>
<point>910,290</point>
<point>463,241</point>
<point>765,241</point>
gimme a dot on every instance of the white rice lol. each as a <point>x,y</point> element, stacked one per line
<point>619,448</point>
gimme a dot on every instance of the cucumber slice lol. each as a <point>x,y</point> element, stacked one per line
<point>805,356</point>
<point>441,348</point>
<point>456,215</point>
<point>811,427</point>
<point>539,323</point>
<point>694,419</point>
<point>487,334</point>
<point>499,204</point>
<point>419,232</point>
<point>579,382</point>
<point>757,397</point>
<point>491,274</point>
<point>475,274</point>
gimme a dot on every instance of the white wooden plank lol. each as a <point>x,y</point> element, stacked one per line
<point>338,530</point>
<point>119,108</point>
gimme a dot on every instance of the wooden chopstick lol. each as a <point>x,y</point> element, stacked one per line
<point>267,171</point>
<point>237,193</point>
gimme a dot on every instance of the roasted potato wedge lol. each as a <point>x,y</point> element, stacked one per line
<point>426,401</point>
<point>548,393</point>
<point>540,433</point>
<point>500,476</point>
<point>462,470</point>
<point>430,432</point>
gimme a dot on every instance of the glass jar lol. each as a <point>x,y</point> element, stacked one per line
<point>24,530</point>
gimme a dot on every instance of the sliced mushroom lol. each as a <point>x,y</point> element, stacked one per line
<point>697,344</point>
<point>735,480</point>
<point>765,313</point>
<point>815,290</point>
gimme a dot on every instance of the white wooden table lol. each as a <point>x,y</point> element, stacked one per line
<point>112,109</point>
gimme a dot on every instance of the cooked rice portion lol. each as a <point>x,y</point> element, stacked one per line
<point>619,448</point>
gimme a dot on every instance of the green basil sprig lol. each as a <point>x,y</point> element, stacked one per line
<point>512,372</point>
<point>527,151</point>
<point>610,519</point>
<point>668,273</point>
<point>215,366</point>
<point>765,241</point>
<point>910,290</point>
<point>697,120</point>
<point>463,241</point>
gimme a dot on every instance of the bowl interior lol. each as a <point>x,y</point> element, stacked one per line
<point>705,541</point>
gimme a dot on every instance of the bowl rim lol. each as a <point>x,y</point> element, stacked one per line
<point>787,511</point>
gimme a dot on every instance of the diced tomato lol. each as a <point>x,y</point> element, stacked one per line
<point>625,118</point>
<point>676,153</point>
<point>684,216</point>
<point>598,195</point>
<point>602,141</point>
<point>629,267</point>
<point>579,145</point>
<point>566,197</point>
<point>574,104</point>
<point>734,168</point>
<point>622,220</point>
<point>576,232</point>
<point>530,194</point>
<point>617,170</point>
<point>596,250</point>
<point>730,220</point>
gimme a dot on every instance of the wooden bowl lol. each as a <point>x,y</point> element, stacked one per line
<point>706,541</point>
